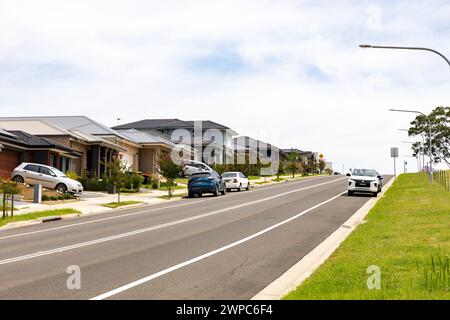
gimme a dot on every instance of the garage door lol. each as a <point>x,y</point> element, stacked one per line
<point>8,161</point>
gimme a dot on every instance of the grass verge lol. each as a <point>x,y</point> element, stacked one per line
<point>37,215</point>
<point>166,197</point>
<point>115,205</point>
<point>165,188</point>
<point>406,236</point>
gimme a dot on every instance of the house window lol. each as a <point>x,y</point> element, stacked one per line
<point>66,164</point>
<point>54,160</point>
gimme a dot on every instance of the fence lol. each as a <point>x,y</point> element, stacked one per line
<point>443,177</point>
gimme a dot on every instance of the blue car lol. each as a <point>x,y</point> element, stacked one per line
<point>206,182</point>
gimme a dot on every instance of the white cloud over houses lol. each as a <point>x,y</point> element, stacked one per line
<point>286,71</point>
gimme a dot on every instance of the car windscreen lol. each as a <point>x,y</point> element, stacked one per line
<point>58,173</point>
<point>229,175</point>
<point>364,172</point>
<point>201,175</point>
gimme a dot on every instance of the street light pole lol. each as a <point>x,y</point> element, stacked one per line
<point>429,133</point>
<point>420,150</point>
<point>368,46</point>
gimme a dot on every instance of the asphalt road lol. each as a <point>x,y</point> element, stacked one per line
<point>229,247</point>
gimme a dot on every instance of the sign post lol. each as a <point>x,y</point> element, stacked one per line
<point>394,154</point>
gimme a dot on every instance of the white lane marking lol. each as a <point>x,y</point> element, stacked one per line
<point>128,214</point>
<point>206,255</point>
<point>152,228</point>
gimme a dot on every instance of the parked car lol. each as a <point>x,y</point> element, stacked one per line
<point>48,177</point>
<point>191,166</point>
<point>206,182</point>
<point>364,181</point>
<point>235,180</point>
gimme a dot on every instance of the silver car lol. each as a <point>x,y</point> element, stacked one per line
<point>48,177</point>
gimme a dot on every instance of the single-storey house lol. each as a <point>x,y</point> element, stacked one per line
<point>18,146</point>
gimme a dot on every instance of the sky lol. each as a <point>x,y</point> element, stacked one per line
<point>286,72</point>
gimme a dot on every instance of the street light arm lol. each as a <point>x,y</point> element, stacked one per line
<point>368,46</point>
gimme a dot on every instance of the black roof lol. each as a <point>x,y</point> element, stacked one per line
<point>155,124</point>
<point>30,141</point>
<point>169,124</point>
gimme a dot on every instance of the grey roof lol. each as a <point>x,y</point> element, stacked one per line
<point>293,149</point>
<point>155,124</point>
<point>146,137</point>
<point>80,123</point>
<point>244,141</point>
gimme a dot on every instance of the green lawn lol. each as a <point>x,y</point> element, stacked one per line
<point>182,180</point>
<point>403,231</point>
<point>37,215</point>
<point>115,205</point>
<point>8,207</point>
<point>166,188</point>
<point>253,177</point>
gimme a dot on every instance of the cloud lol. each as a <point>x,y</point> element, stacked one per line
<point>289,69</point>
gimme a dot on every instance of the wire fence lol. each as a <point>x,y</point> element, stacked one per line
<point>443,177</point>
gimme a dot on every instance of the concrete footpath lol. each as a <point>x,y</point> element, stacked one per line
<point>91,202</point>
<point>292,278</point>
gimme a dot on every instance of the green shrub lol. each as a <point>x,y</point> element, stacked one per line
<point>133,180</point>
<point>72,175</point>
<point>45,197</point>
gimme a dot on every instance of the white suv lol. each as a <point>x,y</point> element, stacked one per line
<point>191,166</point>
<point>48,177</point>
<point>364,181</point>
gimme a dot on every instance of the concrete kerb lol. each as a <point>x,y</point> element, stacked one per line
<point>292,278</point>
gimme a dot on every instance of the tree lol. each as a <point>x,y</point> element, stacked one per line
<point>292,163</point>
<point>311,165</point>
<point>169,170</point>
<point>8,188</point>
<point>322,165</point>
<point>116,175</point>
<point>281,169</point>
<point>439,119</point>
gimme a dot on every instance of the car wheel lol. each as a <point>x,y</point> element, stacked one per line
<point>61,187</point>
<point>248,186</point>
<point>190,195</point>
<point>375,194</point>
<point>216,192</point>
<point>18,179</point>
<point>350,193</point>
<point>224,191</point>
<point>240,187</point>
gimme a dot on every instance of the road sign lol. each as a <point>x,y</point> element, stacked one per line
<point>394,152</point>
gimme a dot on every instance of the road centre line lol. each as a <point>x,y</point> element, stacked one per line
<point>206,255</point>
<point>152,228</point>
<point>123,216</point>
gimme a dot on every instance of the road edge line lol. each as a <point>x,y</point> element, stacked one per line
<point>303,269</point>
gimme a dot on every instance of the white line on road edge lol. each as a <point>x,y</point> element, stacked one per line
<point>303,269</point>
<point>206,255</point>
<point>134,213</point>
<point>160,226</point>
